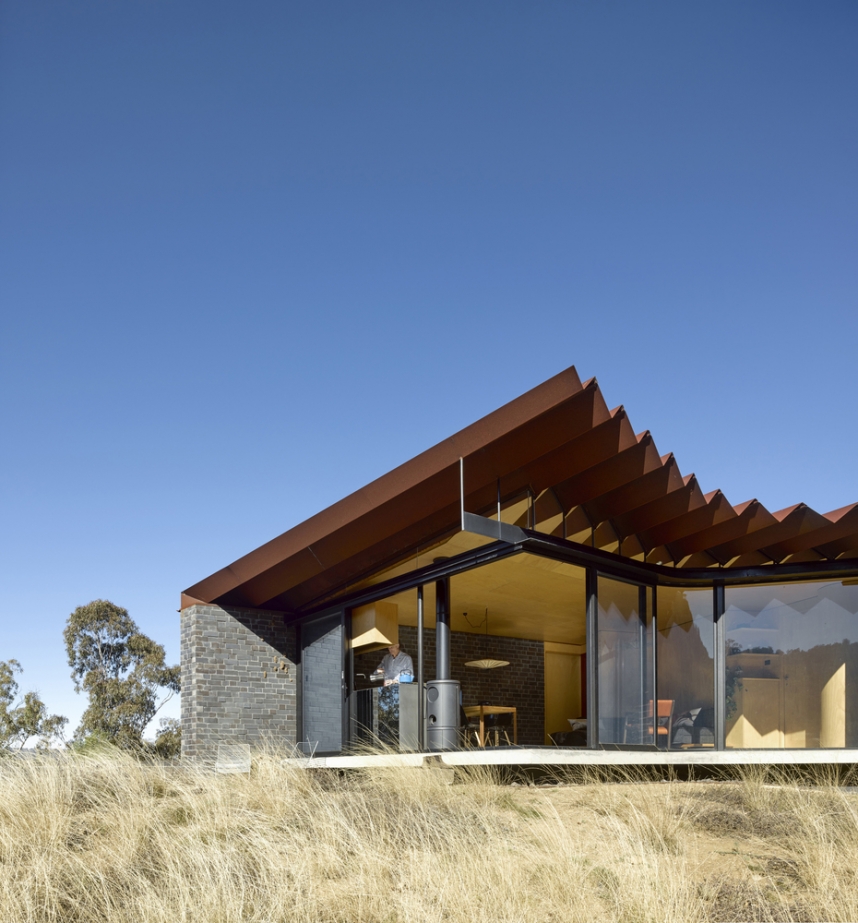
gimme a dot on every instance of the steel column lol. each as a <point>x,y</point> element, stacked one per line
<point>349,675</point>
<point>421,694</point>
<point>642,658</point>
<point>442,628</point>
<point>720,664</point>
<point>653,596</point>
<point>592,644</point>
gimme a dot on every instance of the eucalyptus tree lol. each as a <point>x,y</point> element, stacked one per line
<point>122,671</point>
<point>25,719</point>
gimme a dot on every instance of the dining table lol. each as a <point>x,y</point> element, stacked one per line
<point>474,711</point>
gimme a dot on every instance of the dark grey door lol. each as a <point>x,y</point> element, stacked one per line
<point>322,666</point>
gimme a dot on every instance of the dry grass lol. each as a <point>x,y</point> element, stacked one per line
<point>106,838</point>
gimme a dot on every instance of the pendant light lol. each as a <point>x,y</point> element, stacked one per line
<point>485,663</point>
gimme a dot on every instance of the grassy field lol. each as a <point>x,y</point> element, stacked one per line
<point>106,838</point>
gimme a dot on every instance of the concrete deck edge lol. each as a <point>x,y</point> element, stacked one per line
<point>371,760</point>
<point>561,757</point>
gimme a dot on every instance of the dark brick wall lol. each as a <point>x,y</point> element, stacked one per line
<point>238,679</point>
<point>235,690</point>
<point>521,684</point>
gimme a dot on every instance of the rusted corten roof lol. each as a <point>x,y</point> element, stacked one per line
<point>591,477</point>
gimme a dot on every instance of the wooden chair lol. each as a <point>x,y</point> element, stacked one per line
<point>663,722</point>
<point>469,730</point>
<point>635,727</point>
<point>497,725</point>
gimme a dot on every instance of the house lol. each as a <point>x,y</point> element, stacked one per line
<point>561,586</point>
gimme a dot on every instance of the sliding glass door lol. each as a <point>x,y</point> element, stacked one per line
<point>686,666</point>
<point>627,713</point>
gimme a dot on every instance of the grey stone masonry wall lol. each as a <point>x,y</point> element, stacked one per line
<point>239,679</point>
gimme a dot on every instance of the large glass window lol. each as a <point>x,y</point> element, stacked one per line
<point>626,709</point>
<point>686,666</point>
<point>530,612</point>
<point>517,650</point>
<point>792,665</point>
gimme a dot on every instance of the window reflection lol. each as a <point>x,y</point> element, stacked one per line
<point>792,666</point>
<point>625,666</point>
<point>686,667</point>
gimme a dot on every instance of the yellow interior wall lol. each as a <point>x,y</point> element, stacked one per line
<point>562,687</point>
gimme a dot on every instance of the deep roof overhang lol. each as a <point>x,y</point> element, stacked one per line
<point>559,443</point>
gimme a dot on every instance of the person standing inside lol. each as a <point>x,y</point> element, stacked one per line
<point>394,662</point>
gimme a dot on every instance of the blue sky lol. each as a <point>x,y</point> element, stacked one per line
<point>253,255</point>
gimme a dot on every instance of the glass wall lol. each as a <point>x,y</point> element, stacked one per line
<point>529,612</point>
<point>517,650</point>
<point>686,666</point>
<point>625,664</point>
<point>792,665</point>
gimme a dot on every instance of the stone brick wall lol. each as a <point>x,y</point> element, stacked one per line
<point>521,684</point>
<point>238,679</point>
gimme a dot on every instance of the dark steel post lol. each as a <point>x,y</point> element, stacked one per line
<point>442,628</point>
<point>421,693</point>
<point>592,660</point>
<point>720,665</point>
<point>348,676</point>
<point>642,664</point>
<point>654,627</point>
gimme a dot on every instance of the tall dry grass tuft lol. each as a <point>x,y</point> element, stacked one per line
<point>107,838</point>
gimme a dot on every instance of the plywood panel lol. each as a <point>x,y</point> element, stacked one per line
<point>526,597</point>
<point>562,690</point>
<point>833,708</point>
<point>759,704</point>
<point>375,626</point>
<point>802,688</point>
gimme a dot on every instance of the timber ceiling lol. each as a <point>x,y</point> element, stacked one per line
<point>523,596</point>
<point>564,464</point>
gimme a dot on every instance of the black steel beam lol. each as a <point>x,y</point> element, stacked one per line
<point>611,565</point>
<point>658,575</point>
<point>496,551</point>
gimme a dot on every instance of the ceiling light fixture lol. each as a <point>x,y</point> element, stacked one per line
<point>485,663</point>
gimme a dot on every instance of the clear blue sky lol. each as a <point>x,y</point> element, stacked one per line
<point>253,255</point>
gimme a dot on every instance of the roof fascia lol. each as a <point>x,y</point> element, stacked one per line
<point>297,543</point>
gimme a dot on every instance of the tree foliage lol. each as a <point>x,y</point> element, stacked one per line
<point>121,670</point>
<point>28,718</point>
<point>168,740</point>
